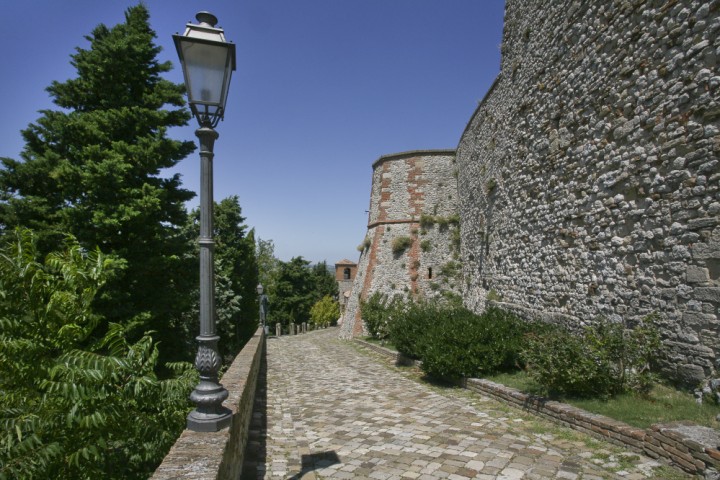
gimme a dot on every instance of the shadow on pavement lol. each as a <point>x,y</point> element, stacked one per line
<point>315,461</point>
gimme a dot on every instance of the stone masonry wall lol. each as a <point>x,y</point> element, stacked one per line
<point>414,195</point>
<point>219,455</point>
<point>589,175</point>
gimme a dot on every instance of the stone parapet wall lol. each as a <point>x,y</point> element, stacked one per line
<point>219,455</point>
<point>413,195</point>
<point>589,178</point>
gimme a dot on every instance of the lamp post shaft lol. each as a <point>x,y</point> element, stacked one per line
<point>209,414</point>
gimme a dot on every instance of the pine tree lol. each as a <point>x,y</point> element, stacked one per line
<point>92,169</point>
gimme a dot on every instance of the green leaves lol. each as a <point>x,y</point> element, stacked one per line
<point>74,406</point>
<point>325,311</point>
<point>93,169</point>
<point>607,358</point>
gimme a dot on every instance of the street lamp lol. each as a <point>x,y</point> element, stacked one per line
<point>208,62</point>
<point>263,306</point>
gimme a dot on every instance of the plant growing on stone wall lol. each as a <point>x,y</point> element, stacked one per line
<point>400,244</point>
<point>364,245</point>
<point>490,186</point>
<point>493,296</point>
<point>426,246</point>
<point>455,242</point>
<point>426,221</point>
<point>450,269</point>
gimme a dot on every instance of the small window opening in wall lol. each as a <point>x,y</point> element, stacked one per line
<point>346,274</point>
<point>429,272</point>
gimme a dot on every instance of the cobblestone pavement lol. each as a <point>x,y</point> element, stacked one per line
<point>331,409</point>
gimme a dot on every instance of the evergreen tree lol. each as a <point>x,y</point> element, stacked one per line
<point>325,283</point>
<point>294,293</point>
<point>236,275</point>
<point>92,169</point>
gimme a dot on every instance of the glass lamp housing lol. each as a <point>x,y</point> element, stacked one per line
<point>207,62</point>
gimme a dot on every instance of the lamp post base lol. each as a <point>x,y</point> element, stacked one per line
<point>209,422</point>
<point>208,396</point>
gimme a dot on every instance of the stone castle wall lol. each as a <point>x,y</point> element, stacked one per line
<point>589,175</point>
<point>413,195</point>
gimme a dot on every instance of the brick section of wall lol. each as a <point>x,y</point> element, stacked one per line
<point>219,455</point>
<point>688,446</point>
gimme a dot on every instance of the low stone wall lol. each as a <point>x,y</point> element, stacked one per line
<point>693,448</point>
<point>219,455</point>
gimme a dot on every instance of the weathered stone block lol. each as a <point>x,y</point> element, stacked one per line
<point>695,274</point>
<point>707,294</point>
<point>690,375</point>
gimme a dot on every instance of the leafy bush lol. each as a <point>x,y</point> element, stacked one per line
<point>409,325</point>
<point>374,313</point>
<point>77,402</point>
<point>325,311</point>
<point>453,342</point>
<point>464,344</point>
<point>606,359</point>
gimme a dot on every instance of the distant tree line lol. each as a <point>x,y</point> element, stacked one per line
<point>294,287</point>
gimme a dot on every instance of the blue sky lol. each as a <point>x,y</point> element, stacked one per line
<point>322,89</point>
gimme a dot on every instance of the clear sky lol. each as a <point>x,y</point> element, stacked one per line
<point>322,89</point>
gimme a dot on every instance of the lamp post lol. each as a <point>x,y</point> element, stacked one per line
<point>207,62</point>
<point>263,301</point>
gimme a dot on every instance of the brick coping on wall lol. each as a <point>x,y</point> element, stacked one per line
<point>690,447</point>
<point>412,153</point>
<point>219,455</point>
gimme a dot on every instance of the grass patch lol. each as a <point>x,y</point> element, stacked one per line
<point>383,342</point>
<point>662,404</point>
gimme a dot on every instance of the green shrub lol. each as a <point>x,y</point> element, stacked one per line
<point>400,244</point>
<point>325,312</point>
<point>606,359</point>
<point>464,344</point>
<point>409,325</point>
<point>374,312</point>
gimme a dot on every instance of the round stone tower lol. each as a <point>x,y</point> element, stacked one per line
<point>412,243</point>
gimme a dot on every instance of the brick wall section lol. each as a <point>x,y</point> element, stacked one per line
<point>675,442</point>
<point>406,186</point>
<point>219,455</point>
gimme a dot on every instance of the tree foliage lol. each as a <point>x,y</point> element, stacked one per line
<point>236,275</point>
<point>325,312</point>
<point>297,287</point>
<point>92,168</point>
<point>69,410</point>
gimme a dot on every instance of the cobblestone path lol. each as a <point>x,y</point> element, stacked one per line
<point>330,409</point>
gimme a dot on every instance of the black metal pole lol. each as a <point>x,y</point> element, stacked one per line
<point>209,414</point>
